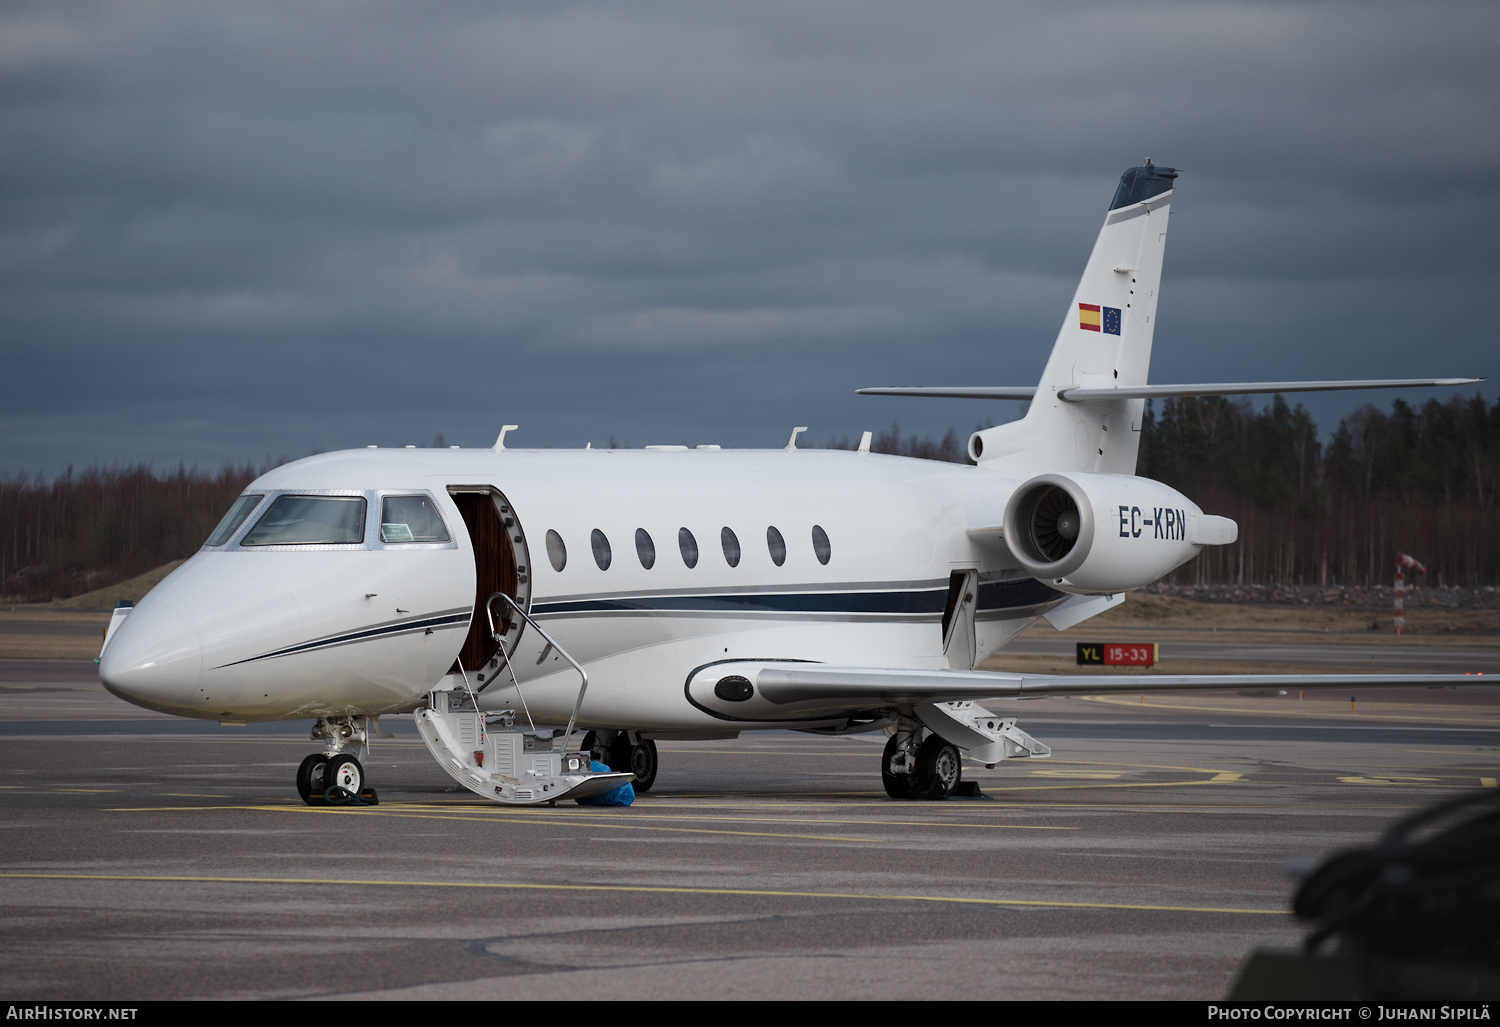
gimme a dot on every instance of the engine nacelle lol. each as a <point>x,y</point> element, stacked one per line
<point>1094,534</point>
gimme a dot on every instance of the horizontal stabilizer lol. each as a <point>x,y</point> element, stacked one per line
<point>1252,388</point>
<point>1162,391</point>
<point>943,392</point>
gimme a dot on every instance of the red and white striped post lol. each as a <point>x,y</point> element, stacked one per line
<point>1402,563</point>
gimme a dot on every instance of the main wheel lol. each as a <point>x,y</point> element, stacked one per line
<point>310,778</point>
<point>939,769</point>
<point>897,786</point>
<point>344,771</point>
<point>638,759</point>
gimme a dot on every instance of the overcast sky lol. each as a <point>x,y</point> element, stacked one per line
<point>234,231</point>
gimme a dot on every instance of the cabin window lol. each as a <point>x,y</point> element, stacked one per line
<point>310,520</point>
<point>233,519</point>
<point>557,553</point>
<point>821,549</point>
<point>411,519</point>
<point>731,543</point>
<point>645,548</point>
<point>602,554</point>
<point>689,547</point>
<point>777,546</point>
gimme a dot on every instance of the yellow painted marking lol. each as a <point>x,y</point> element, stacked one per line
<point>1488,782</point>
<point>1387,779</point>
<point>369,811</point>
<point>1225,777</point>
<point>1095,775</point>
<point>593,815</point>
<point>580,817</point>
<point>644,889</point>
<point>1458,714</point>
<point>89,790</point>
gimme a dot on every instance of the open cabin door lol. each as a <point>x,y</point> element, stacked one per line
<point>958,620</point>
<point>501,564</point>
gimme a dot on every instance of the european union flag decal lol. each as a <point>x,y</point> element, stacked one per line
<point>1111,320</point>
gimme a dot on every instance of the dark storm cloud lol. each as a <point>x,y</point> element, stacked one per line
<point>233,231</point>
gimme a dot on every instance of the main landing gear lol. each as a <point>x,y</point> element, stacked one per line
<point>336,777</point>
<point>922,758</point>
<point>929,769</point>
<point>625,752</point>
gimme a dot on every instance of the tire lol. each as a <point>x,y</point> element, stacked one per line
<point>345,772</point>
<point>897,786</point>
<point>939,769</point>
<point>638,759</point>
<point>310,778</point>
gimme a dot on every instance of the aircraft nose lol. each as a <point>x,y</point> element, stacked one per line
<point>154,660</point>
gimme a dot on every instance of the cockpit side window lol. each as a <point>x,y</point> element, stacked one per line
<point>411,519</point>
<point>308,520</point>
<point>233,519</point>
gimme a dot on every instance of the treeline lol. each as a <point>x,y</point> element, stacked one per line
<point>1421,481</point>
<point>950,447</point>
<point>79,532</point>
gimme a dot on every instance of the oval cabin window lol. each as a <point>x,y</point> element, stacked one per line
<point>602,554</point>
<point>821,549</point>
<point>689,546</point>
<point>557,553</point>
<point>731,543</point>
<point>645,548</point>
<point>777,546</point>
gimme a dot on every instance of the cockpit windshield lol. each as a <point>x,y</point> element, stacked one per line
<point>410,519</point>
<point>307,520</point>
<point>233,519</point>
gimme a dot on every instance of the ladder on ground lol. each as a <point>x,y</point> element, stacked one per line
<point>500,762</point>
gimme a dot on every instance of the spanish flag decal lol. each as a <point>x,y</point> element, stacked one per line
<point>1092,318</point>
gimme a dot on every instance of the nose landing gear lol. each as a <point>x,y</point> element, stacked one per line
<point>336,777</point>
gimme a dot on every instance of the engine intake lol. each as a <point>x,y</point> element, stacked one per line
<point>1049,524</point>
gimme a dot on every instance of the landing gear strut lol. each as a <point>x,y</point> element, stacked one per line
<point>336,775</point>
<point>625,752</point>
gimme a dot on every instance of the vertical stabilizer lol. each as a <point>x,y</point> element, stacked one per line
<point>1105,342</point>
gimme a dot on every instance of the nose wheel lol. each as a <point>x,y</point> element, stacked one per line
<point>310,778</point>
<point>320,774</point>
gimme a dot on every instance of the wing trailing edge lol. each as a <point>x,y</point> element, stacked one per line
<point>846,689</point>
<point>757,690</point>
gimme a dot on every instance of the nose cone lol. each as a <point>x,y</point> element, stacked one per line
<point>153,660</point>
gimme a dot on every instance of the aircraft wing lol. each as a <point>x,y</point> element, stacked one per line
<point>751,690</point>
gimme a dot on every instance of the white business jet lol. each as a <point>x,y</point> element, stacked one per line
<point>510,597</point>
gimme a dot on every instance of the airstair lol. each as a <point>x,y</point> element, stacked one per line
<point>500,761</point>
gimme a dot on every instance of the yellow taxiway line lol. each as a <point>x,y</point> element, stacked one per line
<point>643,890</point>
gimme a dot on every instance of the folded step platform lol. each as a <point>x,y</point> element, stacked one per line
<point>510,767</point>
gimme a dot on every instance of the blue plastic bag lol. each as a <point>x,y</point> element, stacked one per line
<point>621,796</point>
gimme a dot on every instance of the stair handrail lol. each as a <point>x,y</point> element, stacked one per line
<point>582,688</point>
